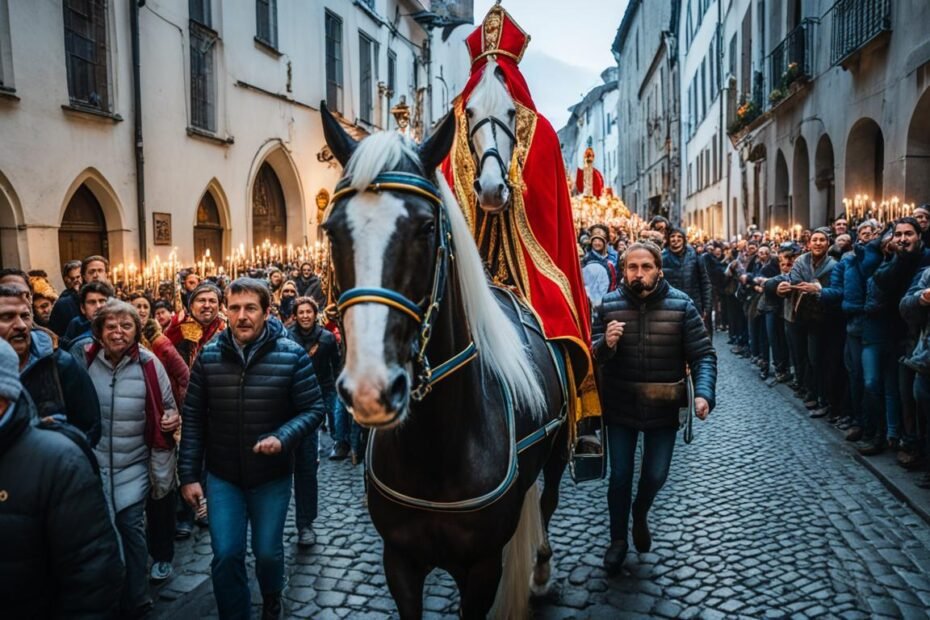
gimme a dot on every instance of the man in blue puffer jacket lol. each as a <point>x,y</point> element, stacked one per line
<point>253,396</point>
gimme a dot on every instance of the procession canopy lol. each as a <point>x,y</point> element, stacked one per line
<point>530,246</point>
<point>588,180</point>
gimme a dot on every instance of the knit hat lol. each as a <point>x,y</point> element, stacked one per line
<point>10,386</point>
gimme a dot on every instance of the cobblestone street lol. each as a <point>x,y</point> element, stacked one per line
<point>763,516</point>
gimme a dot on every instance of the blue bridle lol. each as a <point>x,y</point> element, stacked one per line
<point>424,312</point>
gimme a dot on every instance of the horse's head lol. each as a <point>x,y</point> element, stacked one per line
<point>491,117</point>
<point>384,232</point>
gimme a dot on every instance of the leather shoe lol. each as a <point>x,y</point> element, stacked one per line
<point>819,413</point>
<point>340,452</point>
<point>642,538</point>
<point>871,447</point>
<point>306,538</point>
<point>853,433</point>
<point>616,554</point>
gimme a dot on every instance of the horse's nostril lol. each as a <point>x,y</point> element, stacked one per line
<point>500,190</point>
<point>477,186</point>
<point>398,391</point>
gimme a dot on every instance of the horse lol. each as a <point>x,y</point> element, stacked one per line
<point>456,447</point>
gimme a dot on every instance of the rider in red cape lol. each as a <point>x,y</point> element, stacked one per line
<point>546,270</point>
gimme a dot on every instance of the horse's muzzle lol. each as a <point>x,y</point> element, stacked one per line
<point>376,405</point>
<point>494,200</point>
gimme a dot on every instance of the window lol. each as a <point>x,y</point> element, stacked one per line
<point>733,56</point>
<point>365,77</point>
<point>203,89</point>
<point>200,12</point>
<point>392,71</point>
<point>333,62</point>
<point>86,52</point>
<point>266,18</point>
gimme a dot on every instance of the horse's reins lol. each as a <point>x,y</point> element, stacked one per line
<point>492,152</point>
<point>424,312</point>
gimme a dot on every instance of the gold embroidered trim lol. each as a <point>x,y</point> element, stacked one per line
<point>463,167</point>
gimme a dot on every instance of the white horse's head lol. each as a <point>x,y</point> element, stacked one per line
<point>491,114</point>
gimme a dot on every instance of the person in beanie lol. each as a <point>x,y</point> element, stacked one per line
<point>60,555</point>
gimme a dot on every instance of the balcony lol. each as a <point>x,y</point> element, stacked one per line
<point>858,24</point>
<point>791,63</point>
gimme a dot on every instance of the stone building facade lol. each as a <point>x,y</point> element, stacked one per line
<point>593,122</point>
<point>232,151</point>
<point>645,48</point>
<point>845,97</point>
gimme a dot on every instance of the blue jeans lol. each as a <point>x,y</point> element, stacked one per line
<point>233,508</point>
<point>621,451</point>
<point>306,487</point>
<point>853,362</point>
<point>880,377</point>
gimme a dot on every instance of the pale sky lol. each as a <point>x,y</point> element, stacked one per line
<point>570,46</point>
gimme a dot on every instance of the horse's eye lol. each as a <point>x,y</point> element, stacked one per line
<point>427,229</point>
<point>512,114</point>
<point>469,113</point>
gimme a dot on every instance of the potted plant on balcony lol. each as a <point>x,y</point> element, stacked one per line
<point>746,113</point>
<point>791,74</point>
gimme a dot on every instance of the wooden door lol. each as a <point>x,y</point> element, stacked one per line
<point>269,214</point>
<point>208,232</point>
<point>83,229</point>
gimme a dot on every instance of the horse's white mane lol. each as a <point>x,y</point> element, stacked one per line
<point>500,349</point>
<point>490,96</point>
<point>378,152</point>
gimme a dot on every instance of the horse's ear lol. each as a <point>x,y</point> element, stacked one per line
<point>437,146</point>
<point>340,142</point>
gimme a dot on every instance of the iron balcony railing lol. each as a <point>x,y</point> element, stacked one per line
<point>792,59</point>
<point>856,23</point>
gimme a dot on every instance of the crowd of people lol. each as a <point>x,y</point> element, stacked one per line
<point>92,385</point>
<point>841,314</point>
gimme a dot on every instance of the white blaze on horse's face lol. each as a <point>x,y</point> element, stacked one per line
<point>490,108</point>
<point>366,377</point>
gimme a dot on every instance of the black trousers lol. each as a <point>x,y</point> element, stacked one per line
<point>160,522</point>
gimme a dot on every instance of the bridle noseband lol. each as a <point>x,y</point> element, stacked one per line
<point>424,312</point>
<point>491,153</point>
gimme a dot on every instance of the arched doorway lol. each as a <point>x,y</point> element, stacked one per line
<point>917,162</point>
<point>83,230</point>
<point>269,213</point>
<point>208,231</point>
<point>780,204</point>
<point>800,186</point>
<point>825,181</point>
<point>865,160</point>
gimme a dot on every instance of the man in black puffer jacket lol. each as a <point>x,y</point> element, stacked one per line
<point>645,334</point>
<point>60,557</point>
<point>685,271</point>
<point>252,398</point>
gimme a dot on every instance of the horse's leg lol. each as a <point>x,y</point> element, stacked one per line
<point>478,585</point>
<point>549,500</point>
<point>405,579</point>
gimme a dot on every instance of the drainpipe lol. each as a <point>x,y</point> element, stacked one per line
<point>720,103</point>
<point>137,126</point>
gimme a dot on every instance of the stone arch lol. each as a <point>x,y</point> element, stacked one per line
<point>279,160</point>
<point>917,158</point>
<point>782,197</point>
<point>824,209</point>
<point>865,159</point>
<point>800,185</point>
<point>11,218</point>
<point>91,187</point>
<point>212,228</point>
